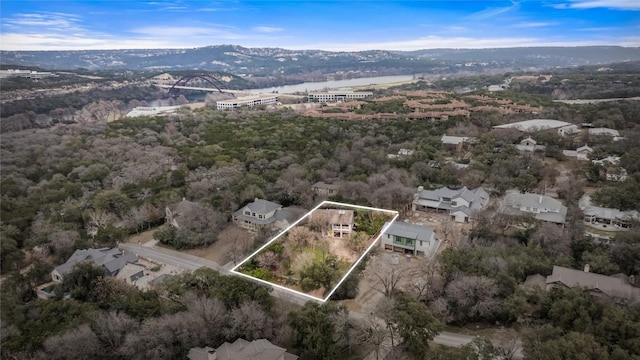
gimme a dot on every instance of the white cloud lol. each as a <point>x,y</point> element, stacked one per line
<point>437,42</point>
<point>533,24</point>
<point>187,31</point>
<point>492,12</point>
<point>267,29</point>
<point>53,21</point>
<point>609,4</point>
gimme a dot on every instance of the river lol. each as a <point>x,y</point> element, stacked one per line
<point>333,84</point>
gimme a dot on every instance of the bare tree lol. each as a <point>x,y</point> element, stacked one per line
<point>268,259</point>
<point>112,327</point>
<point>427,283</point>
<point>300,236</point>
<point>387,275</point>
<point>240,241</point>
<point>249,321</point>
<point>474,296</point>
<point>77,343</point>
<point>373,334</point>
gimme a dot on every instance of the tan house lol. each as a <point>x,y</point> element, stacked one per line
<point>340,222</point>
<point>323,189</point>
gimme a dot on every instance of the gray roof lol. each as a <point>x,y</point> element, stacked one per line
<point>410,231</point>
<point>476,198</point>
<point>279,214</point>
<point>113,259</point>
<point>241,349</point>
<point>323,185</point>
<point>551,209</point>
<point>261,206</point>
<point>613,287</point>
<point>611,214</point>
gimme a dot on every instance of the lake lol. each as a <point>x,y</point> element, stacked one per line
<point>333,84</point>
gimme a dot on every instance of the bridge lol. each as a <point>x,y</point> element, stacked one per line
<point>214,79</point>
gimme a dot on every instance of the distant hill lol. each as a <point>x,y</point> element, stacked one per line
<point>281,62</point>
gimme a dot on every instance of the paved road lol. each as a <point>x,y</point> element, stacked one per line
<point>171,257</point>
<point>191,262</point>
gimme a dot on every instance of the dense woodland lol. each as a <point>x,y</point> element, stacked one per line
<point>90,183</point>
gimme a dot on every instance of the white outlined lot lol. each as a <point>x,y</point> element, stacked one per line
<point>323,205</point>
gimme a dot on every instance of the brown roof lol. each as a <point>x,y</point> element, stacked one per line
<point>336,216</point>
<point>613,287</point>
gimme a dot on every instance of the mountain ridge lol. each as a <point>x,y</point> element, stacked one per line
<point>282,62</point>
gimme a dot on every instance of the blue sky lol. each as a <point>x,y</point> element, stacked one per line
<point>327,25</point>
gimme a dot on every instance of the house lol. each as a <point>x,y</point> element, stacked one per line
<point>581,153</point>
<point>460,203</point>
<point>457,142</point>
<point>401,154</point>
<point>609,219</point>
<point>613,172</point>
<point>242,349</point>
<point>616,288</point>
<point>410,239</point>
<point>323,189</point>
<point>529,144</point>
<point>340,222</point>
<point>569,130</point>
<point>111,260</point>
<point>543,208</point>
<point>262,214</point>
<point>614,134</point>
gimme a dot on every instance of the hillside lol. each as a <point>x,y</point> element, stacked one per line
<point>282,62</point>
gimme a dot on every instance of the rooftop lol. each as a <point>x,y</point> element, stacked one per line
<point>534,125</point>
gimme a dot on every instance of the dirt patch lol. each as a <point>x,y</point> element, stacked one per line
<point>339,248</point>
<point>221,250</point>
<point>142,237</point>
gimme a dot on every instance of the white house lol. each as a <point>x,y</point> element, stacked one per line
<point>614,134</point>
<point>543,208</point>
<point>569,130</point>
<point>262,213</point>
<point>581,153</point>
<point>410,238</point>
<point>530,144</point>
<point>460,204</point>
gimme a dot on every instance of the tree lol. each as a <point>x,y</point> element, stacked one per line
<point>313,330</point>
<point>10,254</point>
<point>388,276</point>
<point>250,322</point>
<point>111,329</point>
<point>415,324</point>
<point>570,346</point>
<point>77,343</point>
<point>81,281</point>
<point>473,297</point>
<point>373,334</point>
<point>199,225</point>
<point>240,241</point>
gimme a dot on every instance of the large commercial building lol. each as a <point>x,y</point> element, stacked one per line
<point>262,99</point>
<point>333,96</point>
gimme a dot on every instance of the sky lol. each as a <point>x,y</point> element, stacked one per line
<point>325,25</point>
